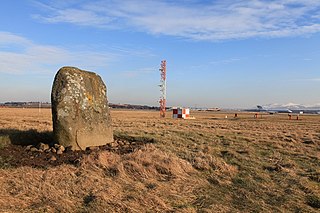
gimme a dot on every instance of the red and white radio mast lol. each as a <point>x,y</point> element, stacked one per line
<point>163,88</point>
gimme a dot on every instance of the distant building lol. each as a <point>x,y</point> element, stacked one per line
<point>179,112</point>
<point>216,109</point>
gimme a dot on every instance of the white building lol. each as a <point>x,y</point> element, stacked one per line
<point>179,112</point>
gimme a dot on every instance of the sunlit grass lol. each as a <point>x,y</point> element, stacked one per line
<point>207,164</point>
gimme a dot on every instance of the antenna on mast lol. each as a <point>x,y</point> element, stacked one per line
<point>163,88</point>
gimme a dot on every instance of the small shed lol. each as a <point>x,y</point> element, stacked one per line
<point>179,112</point>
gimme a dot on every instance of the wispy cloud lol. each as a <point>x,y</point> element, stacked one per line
<point>213,20</point>
<point>7,38</point>
<point>20,55</point>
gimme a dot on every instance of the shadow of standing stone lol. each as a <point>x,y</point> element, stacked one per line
<point>80,112</point>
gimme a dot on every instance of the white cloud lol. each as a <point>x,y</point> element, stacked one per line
<point>215,20</point>
<point>20,55</point>
<point>79,17</point>
<point>9,38</point>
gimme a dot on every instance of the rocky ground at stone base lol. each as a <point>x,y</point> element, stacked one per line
<point>43,155</point>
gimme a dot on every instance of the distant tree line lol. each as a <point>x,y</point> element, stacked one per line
<point>26,104</point>
<point>48,105</point>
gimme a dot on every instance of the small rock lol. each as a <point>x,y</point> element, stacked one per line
<point>53,150</point>
<point>62,148</point>
<point>113,144</point>
<point>59,152</point>
<point>53,158</point>
<point>121,143</point>
<point>56,146</point>
<point>29,147</point>
<point>34,149</point>
<point>43,146</point>
<point>47,150</point>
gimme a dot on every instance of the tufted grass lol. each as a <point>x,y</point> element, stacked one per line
<point>210,164</point>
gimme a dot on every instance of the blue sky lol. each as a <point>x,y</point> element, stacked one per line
<point>220,53</point>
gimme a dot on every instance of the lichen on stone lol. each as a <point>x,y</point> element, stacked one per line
<point>79,102</point>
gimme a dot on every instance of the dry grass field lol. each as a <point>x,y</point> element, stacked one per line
<point>210,164</point>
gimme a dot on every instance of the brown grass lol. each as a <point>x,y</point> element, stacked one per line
<point>210,164</point>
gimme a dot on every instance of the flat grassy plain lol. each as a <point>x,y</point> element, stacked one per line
<point>209,164</point>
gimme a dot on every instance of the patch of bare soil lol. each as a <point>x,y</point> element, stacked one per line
<point>17,155</point>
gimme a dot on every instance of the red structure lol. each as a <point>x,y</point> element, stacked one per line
<point>163,88</point>
<point>179,112</point>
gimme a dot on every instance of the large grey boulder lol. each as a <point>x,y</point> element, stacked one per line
<point>80,112</point>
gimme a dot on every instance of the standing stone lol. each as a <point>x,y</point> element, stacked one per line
<point>80,112</point>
